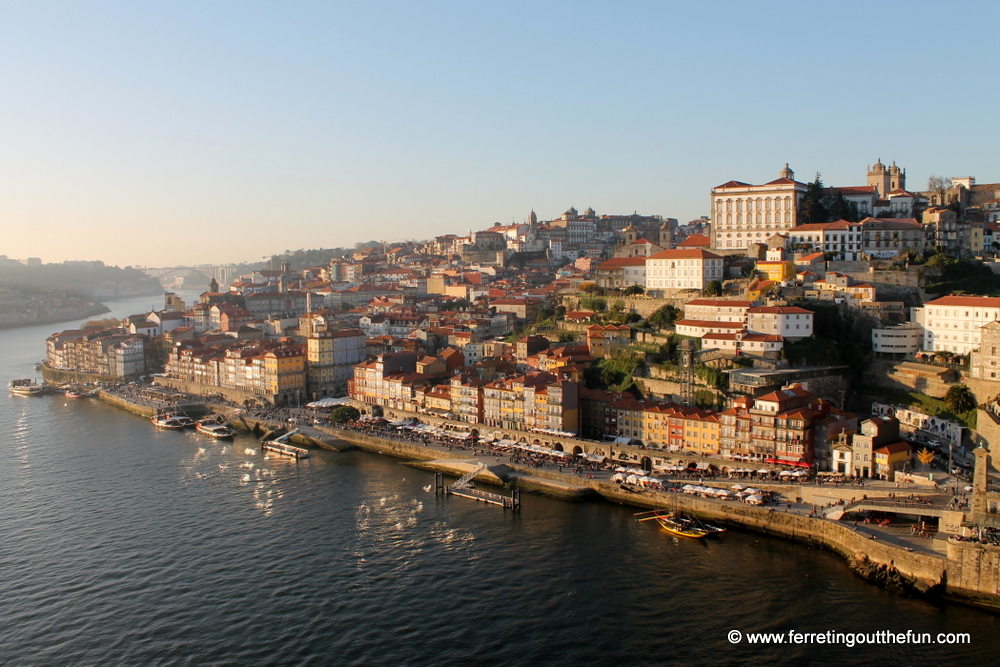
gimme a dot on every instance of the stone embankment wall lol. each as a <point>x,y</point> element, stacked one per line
<point>197,389</point>
<point>119,402</point>
<point>57,377</point>
<point>974,572</point>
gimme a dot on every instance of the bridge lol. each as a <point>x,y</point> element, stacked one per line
<point>224,274</point>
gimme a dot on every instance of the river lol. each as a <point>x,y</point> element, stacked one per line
<point>124,545</point>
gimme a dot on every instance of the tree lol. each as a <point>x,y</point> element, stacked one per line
<point>344,413</point>
<point>664,316</point>
<point>632,290</point>
<point>811,207</point>
<point>713,288</point>
<point>589,288</point>
<point>925,456</point>
<point>959,399</point>
<point>937,185</point>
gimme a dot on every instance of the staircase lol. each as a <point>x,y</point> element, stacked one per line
<point>464,480</point>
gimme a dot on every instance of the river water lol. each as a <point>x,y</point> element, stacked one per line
<point>124,545</point>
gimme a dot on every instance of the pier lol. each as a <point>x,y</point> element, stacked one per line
<point>463,488</point>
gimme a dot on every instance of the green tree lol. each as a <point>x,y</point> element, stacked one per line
<point>664,316</point>
<point>632,290</point>
<point>344,413</point>
<point>811,207</point>
<point>713,288</point>
<point>959,399</point>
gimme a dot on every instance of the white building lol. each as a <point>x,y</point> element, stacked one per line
<point>903,339</point>
<point>742,341</point>
<point>743,214</point>
<point>682,268</point>
<point>843,238</point>
<point>791,322</point>
<point>699,328</point>
<point>717,310</point>
<point>953,323</point>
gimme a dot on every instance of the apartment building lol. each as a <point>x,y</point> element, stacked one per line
<point>682,269</point>
<point>954,323</point>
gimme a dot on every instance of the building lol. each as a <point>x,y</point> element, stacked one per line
<point>621,272</point>
<point>774,428</point>
<point>682,269</point>
<point>885,238</point>
<point>985,362</point>
<point>537,401</point>
<point>886,179</point>
<point>791,322</point>
<point>717,310</point>
<point>742,342</point>
<point>898,341</point>
<point>875,433</point>
<point>954,323</point>
<point>699,328</point>
<point>776,270</point>
<point>892,458</point>
<point>108,352</point>
<point>332,356</point>
<point>842,239</point>
<point>743,214</point>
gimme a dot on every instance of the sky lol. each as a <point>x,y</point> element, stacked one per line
<point>162,134</point>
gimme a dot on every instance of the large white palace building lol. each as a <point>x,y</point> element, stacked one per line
<point>743,214</point>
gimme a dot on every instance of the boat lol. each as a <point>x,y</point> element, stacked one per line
<point>214,429</point>
<point>172,421</point>
<point>676,523</point>
<point>26,387</point>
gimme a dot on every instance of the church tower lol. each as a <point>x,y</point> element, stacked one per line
<point>897,178</point>
<point>878,176</point>
<point>213,286</point>
<point>630,234</point>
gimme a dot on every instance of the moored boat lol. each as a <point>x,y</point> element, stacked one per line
<point>214,429</point>
<point>25,387</point>
<point>679,524</point>
<point>171,421</point>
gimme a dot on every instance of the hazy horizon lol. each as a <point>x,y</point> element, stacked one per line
<point>198,134</point>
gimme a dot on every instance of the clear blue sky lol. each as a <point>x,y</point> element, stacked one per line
<point>183,132</point>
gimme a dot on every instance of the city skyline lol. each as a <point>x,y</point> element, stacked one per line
<point>186,135</point>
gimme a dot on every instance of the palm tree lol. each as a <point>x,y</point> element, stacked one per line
<point>959,398</point>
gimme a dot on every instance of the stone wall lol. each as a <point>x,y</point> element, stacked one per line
<point>197,389</point>
<point>57,377</point>
<point>974,571</point>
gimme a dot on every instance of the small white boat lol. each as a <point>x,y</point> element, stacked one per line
<point>172,421</point>
<point>214,429</point>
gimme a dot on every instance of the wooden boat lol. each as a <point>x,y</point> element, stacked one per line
<point>676,523</point>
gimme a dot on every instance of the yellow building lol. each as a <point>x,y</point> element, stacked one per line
<point>776,270</point>
<point>284,374</point>
<point>891,458</point>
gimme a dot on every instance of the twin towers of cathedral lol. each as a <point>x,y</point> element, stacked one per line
<point>886,179</point>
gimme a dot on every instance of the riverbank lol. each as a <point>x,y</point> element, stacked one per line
<point>16,320</point>
<point>884,562</point>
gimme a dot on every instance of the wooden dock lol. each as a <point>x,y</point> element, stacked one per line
<point>464,488</point>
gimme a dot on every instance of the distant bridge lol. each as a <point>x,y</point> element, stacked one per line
<point>223,274</point>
